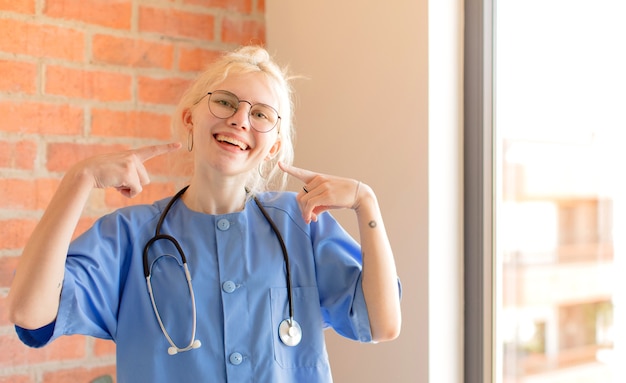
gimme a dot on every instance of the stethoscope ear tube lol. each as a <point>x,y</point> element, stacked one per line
<point>158,236</point>
<point>289,330</point>
<point>284,250</point>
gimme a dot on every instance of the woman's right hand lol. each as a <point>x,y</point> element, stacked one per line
<point>33,299</point>
<point>124,171</point>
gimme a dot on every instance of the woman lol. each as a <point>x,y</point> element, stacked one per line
<point>249,312</point>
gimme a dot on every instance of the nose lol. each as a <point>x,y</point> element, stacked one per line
<point>241,117</point>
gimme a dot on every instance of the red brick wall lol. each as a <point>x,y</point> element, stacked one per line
<point>79,77</point>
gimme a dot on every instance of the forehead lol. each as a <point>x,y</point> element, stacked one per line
<point>254,87</point>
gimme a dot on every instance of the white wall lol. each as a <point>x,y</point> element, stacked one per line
<point>445,183</point>
<point>364,112</point>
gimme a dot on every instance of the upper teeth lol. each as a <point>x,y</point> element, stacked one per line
<point>233,141</point>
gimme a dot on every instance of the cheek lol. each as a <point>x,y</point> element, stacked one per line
<point>266,143</point>
<point>200,135</point>
<point>202,126</point>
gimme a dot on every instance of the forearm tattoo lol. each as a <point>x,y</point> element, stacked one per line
<point>372,224</point>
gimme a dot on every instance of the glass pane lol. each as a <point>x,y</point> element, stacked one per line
<point>560,122</point>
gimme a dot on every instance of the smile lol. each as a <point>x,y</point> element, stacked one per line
<point>232,141</point>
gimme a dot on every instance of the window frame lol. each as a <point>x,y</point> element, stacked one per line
<point>479,193</point>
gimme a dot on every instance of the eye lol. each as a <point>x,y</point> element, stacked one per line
<point>259,114</point>
<point>225,102</point>
<point>263,112</point>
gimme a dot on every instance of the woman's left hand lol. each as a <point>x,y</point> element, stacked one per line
<point>323,192</point>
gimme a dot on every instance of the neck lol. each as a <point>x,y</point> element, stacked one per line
<point>213,197</point>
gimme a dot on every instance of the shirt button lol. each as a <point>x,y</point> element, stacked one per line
<point>223,224</point>
<point>229,286</point>
<point>235,358</point>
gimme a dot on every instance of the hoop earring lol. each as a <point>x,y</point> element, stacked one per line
<point>263,176</point>
<point>190,140</point>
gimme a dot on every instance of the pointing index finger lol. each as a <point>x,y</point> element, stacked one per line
<point>303,175</point>
<point>149,152</point>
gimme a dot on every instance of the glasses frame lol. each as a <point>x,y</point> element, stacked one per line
<point>239,101</point>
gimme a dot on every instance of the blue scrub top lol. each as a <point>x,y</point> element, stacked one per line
<point>239,280</point>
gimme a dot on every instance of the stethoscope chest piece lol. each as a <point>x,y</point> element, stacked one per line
<point>290,332</point>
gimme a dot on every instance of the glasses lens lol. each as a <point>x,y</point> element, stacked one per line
<point>223,104</point>
<point>263,117</point>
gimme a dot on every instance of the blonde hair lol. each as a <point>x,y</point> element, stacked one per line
<point>249,59</point>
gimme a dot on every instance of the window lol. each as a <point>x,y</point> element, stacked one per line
<point>545,93</point>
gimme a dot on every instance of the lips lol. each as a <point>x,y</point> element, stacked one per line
<point>232,141</point>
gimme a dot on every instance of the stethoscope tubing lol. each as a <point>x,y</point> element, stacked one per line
<point>158,235</point>
<point>283,247</point>
<point>289,330</point>
<point>193,343</point>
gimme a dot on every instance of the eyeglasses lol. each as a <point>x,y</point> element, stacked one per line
<point>224,104</point>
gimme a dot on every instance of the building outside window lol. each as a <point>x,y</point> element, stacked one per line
<point>559,211</point>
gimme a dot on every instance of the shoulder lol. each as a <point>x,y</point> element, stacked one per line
<point>279,200</point>
<point>285,204</point>
<point>132,218</point>
<point>281,206</point>
<point>139,212</point>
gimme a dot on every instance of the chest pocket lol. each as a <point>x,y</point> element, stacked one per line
<point>311,351</point>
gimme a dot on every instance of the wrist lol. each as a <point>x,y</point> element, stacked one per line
<point>79,177</point>
<point>356,195</point>
<point>365,198</point>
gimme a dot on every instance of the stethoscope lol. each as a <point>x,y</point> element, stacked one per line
<point>289,330</point>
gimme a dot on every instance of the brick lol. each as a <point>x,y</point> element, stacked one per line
<point>62,156</point>
<point>40,40</point>
<point>109,13</point>
<point>151,192</point>
<point>243,6</point>
<point>78,374</point>
<point>138,124</point>
<point>4,310</point>
<point>41,118</point>
<point>26,194</point>
<point>18,77</point>
<point>15,233</point>
<point>16,379</point>
<point>132,52</point>
<point>18,155</point>
<point>175,23</point>
<point>85,84</point>
<point>29,194</point>
<point>165,91</point>
<point>103,347</point>
<point>13,353</point>
<point>21,6</point>
<point>243,32</point>
<point>7,270</point>
<point>167,35</point>
<point>196,59</point>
